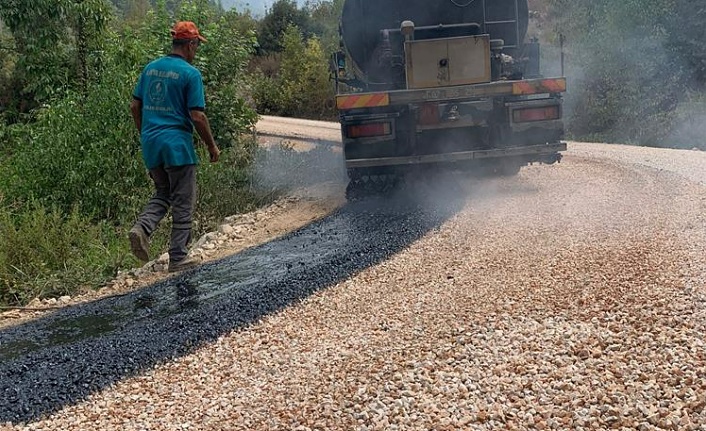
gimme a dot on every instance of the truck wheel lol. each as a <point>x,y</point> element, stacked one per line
<point>363,186</point>
<point>354,191</point>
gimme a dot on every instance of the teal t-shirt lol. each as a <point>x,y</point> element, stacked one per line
<point>169,88</point>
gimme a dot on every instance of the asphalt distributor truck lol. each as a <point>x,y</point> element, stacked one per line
<point>442,83</point>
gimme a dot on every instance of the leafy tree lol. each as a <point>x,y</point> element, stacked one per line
<point>244,22</point>
<point>294,81</point>
<point>283,14</point>
<point>55,40</point>
<point>302,87</point>
<point>8,59</point>
<point>135,11</point>
<point>305,76</point>
<point>130,9</point>
<point>326,16</point>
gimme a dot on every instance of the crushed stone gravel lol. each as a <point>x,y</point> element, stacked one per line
<point>571,296</point>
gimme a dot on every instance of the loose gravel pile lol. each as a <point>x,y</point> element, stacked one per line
<point>568,297</point>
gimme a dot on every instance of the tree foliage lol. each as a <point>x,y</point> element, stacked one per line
<point>325,16</point>
<point>57,40</point>
<point>304,76</point>
<point>223,62</point>
<point>282,15</point>
<point>626,77</point>
<point>302,86</point>
<point>8,59</point>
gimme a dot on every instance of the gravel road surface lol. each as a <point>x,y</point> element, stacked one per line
<point>568,297</point>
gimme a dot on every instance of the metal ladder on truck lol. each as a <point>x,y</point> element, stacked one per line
<point>502,24</point>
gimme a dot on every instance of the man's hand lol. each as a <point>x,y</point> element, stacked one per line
<point>214,152</point>
<point>200,121</point>
<point>136,110</point>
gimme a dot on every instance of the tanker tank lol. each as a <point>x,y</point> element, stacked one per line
<point>370,29</point>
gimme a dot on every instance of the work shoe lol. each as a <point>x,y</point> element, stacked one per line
<point>139,243</point>
<point>184,264</point>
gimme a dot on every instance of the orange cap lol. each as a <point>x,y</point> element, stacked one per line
<point>186,30</point>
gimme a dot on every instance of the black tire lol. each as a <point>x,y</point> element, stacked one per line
<point>364,186</point>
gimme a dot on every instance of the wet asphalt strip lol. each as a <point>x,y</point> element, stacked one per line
<point>62,358</point>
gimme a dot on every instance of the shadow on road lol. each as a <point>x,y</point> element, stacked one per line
<point>62,358</point>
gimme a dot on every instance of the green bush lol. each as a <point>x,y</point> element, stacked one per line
<point>9,134</point>
<point>625,77</point>
<point>81,153</point>
<point>222,62</point>
<point>47,252</point>
<point>268,93</point>
<point>305,77</point>
<point>302,87</point>
<point>225,188</point>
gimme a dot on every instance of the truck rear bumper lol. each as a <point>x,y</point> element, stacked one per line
<point>346,102</point>
<point>530,153</point>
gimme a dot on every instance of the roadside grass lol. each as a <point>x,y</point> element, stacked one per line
<point>226,187</point>
<point>46,252</point>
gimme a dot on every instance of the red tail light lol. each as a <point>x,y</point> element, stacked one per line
<point>368,130</point>
<point>535,114</point>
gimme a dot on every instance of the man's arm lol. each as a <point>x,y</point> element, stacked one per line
<point>203,128</point>
<point>136,109</point>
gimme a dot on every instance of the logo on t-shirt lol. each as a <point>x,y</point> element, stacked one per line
<point>157,91</point>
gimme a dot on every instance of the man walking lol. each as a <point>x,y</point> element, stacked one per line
<point>168,102</point>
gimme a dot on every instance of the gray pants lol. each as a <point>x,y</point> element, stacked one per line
<point>176,187</point>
